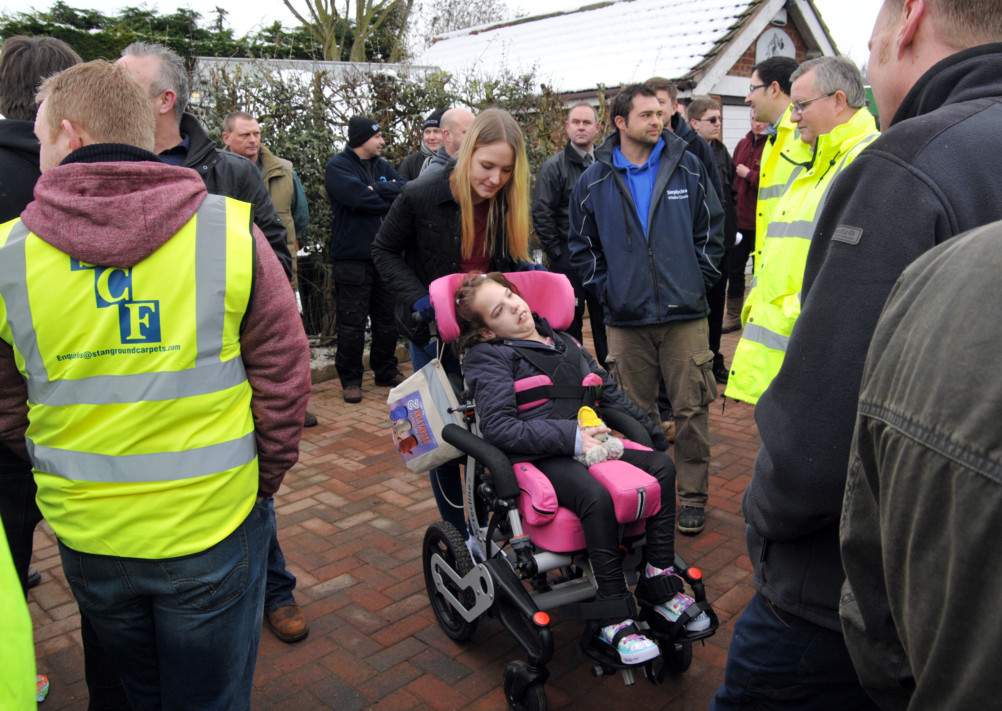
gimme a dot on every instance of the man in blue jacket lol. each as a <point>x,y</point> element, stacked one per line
<point>361,187</point>
<point>646,237</point>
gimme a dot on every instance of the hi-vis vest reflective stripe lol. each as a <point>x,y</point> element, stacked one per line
<point>780,158</point>
<point>17,652</point>
<point>773,305</point>
<point>140,427</point>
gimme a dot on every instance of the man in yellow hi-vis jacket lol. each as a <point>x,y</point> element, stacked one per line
<point>154,369</point>
<point>828,107</point>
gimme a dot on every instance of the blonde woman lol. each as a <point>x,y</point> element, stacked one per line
<point>473,217</point>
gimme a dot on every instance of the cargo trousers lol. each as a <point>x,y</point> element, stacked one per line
<point>678,352</point>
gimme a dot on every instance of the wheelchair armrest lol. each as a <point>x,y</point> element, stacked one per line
<point>627,426</point>
<point>505,484</point>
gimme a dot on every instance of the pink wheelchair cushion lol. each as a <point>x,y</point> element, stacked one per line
<point>538,502</point>
<point>636,495</point>
<point>564,534</point>
<point>630,444</point>
<point>555,528</point>
<point>548,294</point>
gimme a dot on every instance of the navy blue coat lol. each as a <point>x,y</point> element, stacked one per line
<point>358,202</point>
<point>664,277</point>
<point>491,369</point>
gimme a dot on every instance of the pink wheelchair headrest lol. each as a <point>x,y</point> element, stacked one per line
<point>548,294</point>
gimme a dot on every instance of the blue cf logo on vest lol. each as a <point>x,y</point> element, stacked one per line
<point>138,321</point>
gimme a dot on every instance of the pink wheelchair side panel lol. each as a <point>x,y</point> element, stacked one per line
<point>538,502</point>
<point>636,495</point>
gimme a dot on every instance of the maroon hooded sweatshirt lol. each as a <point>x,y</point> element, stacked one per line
<point>117,212</point>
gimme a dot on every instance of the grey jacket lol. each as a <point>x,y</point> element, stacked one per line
<point>923,502</point>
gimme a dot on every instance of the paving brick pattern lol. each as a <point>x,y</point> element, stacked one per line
<point>351,521</point>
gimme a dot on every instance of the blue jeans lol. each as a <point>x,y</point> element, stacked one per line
<point>446,483</point>
<point>781,661</point>
<point>280,582</point>
<point>183,632</point>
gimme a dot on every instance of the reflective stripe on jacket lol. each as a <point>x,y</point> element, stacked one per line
<point>772,307</point>
<point>780,157</point>
<point>140,428</point>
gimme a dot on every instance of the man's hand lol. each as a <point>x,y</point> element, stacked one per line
<point>742,170</point>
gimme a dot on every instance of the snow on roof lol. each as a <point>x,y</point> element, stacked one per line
<point>610,43</point>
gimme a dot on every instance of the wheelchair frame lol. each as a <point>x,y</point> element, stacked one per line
<point>495,586</point>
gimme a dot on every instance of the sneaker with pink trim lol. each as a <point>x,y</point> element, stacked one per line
<point>633,648</point>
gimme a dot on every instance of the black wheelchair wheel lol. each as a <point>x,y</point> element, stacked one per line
<point>443,538</point>
<point>678,658</point>
<point>533,696</point>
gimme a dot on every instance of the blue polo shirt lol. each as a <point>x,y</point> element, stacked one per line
<point>640,178</point>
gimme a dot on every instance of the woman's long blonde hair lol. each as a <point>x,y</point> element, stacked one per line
<point>492,126</point>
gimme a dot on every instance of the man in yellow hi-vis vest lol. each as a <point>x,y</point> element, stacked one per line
<point>155,370</point>
<point>828,106</point>
<point>769,98</point>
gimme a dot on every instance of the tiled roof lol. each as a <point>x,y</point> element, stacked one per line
<point>609,43</point>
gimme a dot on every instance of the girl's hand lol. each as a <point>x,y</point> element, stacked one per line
<point>596,431</point>
<point>588,441</point>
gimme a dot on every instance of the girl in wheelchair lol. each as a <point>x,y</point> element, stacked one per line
<point>502,342</point>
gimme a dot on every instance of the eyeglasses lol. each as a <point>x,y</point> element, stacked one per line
<point>713,119</point>
<point>752,88</point>
<point>799,106</point>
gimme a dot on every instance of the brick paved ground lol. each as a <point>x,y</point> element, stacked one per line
<point>351,521</point>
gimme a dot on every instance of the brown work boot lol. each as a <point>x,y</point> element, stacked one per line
<point>669,429</point>
<point>732,319</point>
<point>288,623</point>
<point>352,393</point>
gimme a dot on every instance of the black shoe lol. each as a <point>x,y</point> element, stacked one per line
<point>392,382</point>
<point>720,373</point>
<point>311,420</point>
<point>34,578</point>
<point>352,393</point>
<point>691,520</point>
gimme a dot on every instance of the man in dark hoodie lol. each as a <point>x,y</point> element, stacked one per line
<point>170,310</point>
<point>181,140</point>
<point>361,186</point>
<point>647,239</point>
<point>936,71</point>
<point>24,63</point>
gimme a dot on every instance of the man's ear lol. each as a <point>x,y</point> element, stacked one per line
<point>168,99</point>
<point>620,122</point>
<point>913,13</point>
<point>487,334</point>
<point>74,135</point>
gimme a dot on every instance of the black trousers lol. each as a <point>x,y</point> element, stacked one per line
<point>595,314</point>
<point>18,510</point>
<point>735,260</point>
<point>578,491</point>
<point>360,294</point>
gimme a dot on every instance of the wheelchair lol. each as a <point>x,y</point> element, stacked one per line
<point>534,561</point>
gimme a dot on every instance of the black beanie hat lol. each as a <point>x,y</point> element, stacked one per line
<point>433,120</point>
<point>360,130</point>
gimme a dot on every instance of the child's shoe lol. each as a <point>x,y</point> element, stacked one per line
<point>631,646</point>
<point>41,687</point>
<point>678,603</point>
